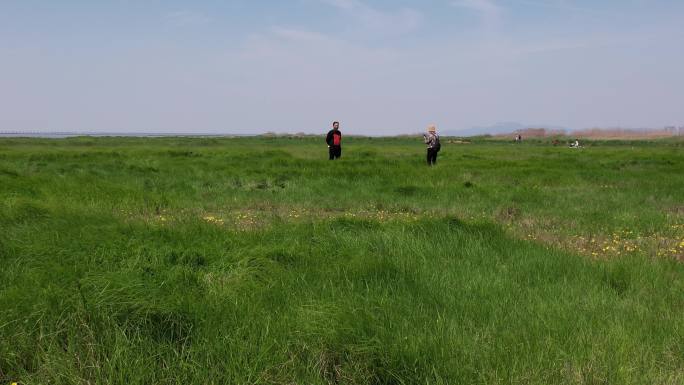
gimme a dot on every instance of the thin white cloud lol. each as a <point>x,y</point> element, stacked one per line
<point>489,11</point>
<point>561,5</point>
<point>374,20</point>
<point>342,4</point>
<point>186,18</point>
<point>483,6</point>
<point>299,35</point>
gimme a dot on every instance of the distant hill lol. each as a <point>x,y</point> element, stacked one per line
<point>629,133</point>
<point>538,130</point>
<point>498,129</point>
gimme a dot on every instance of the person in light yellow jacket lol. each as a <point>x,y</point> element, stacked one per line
<point>431,139</point>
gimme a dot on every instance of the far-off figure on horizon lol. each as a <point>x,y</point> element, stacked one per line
<point>334,140</point>
<point>433,145</point>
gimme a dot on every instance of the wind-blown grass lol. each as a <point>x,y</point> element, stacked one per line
<point>258,261</point>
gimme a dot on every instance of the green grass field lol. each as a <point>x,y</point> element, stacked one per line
<point>258,261</point>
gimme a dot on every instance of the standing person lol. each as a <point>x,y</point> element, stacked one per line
<point>433,145</point>
<point>334,140</point>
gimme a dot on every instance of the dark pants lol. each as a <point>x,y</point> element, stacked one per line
<point>335,152</point>
<point>431,156</point>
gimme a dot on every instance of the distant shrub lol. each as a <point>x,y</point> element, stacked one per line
<point>407,190</point>
<point>7,172</point>
<point>182,154</point>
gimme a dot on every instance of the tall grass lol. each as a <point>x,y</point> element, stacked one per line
<point>257,261</point>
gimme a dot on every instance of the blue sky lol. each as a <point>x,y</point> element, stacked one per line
<point>380,67</point>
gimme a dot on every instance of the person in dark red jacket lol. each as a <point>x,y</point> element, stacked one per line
<point>334,140</point>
